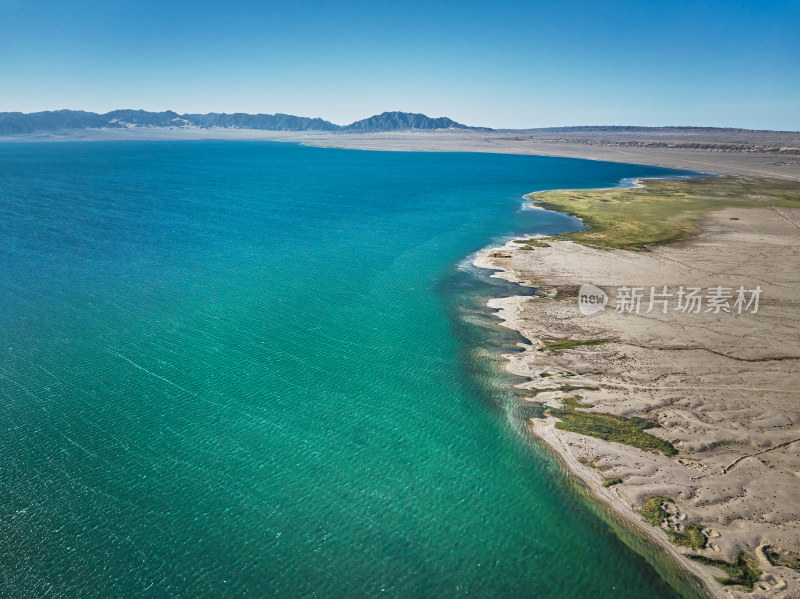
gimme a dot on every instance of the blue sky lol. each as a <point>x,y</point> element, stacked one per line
<point>499,64</point>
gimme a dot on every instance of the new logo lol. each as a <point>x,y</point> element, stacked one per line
<point>591,300</point>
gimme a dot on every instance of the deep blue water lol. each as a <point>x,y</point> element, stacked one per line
<point>249,369</point>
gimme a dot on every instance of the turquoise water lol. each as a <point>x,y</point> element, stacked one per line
<point>255,369</point>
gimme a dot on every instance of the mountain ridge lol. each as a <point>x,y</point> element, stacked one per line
<point>51,121</point>
<point>19,123</point>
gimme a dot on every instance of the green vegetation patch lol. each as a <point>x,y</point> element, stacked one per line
<point>609,427</point>
<point>610,482</point>
<point>785,559</point>
<point>565,292</point>
<point>566,389</point>
<point>692,537</point>
<point>662,211</point>
<point>653,511</point>
<point>593,464</point>
<point>529,244</point>
<point>572,402</point>
<point>742,571</point>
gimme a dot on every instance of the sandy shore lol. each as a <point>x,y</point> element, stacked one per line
<point>723,387</point>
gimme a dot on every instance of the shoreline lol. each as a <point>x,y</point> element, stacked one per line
<point>542,431</point>
<point>645,474</point>
<point>753,153</point>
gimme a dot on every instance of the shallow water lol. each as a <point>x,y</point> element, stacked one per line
<point>254,369</point>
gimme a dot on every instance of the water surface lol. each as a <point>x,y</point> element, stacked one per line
<point>256,369</point>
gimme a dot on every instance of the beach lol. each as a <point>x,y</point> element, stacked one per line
<point>719,387</point>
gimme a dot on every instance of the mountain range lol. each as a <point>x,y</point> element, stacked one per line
<point>16,123</point>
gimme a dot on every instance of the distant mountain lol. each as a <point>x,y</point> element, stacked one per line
<point>18,123</point>
<point>142,118</point>
<point>14,123</point>
<point>265,122</point>
<point>403,121</point>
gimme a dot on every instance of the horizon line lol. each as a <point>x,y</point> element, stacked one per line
<point>527,128</point>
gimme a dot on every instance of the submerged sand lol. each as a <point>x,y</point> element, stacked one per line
<point>724,387</point>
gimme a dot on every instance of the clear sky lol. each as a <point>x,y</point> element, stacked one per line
<point>500,64</point>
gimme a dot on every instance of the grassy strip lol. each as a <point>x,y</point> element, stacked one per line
<point>662,211</point>
<point>609,482</point>
<point>564,389</point>
<point>609,427</point>
<point>741,571</point>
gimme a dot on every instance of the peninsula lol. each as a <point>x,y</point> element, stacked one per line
<point>684,418</point>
